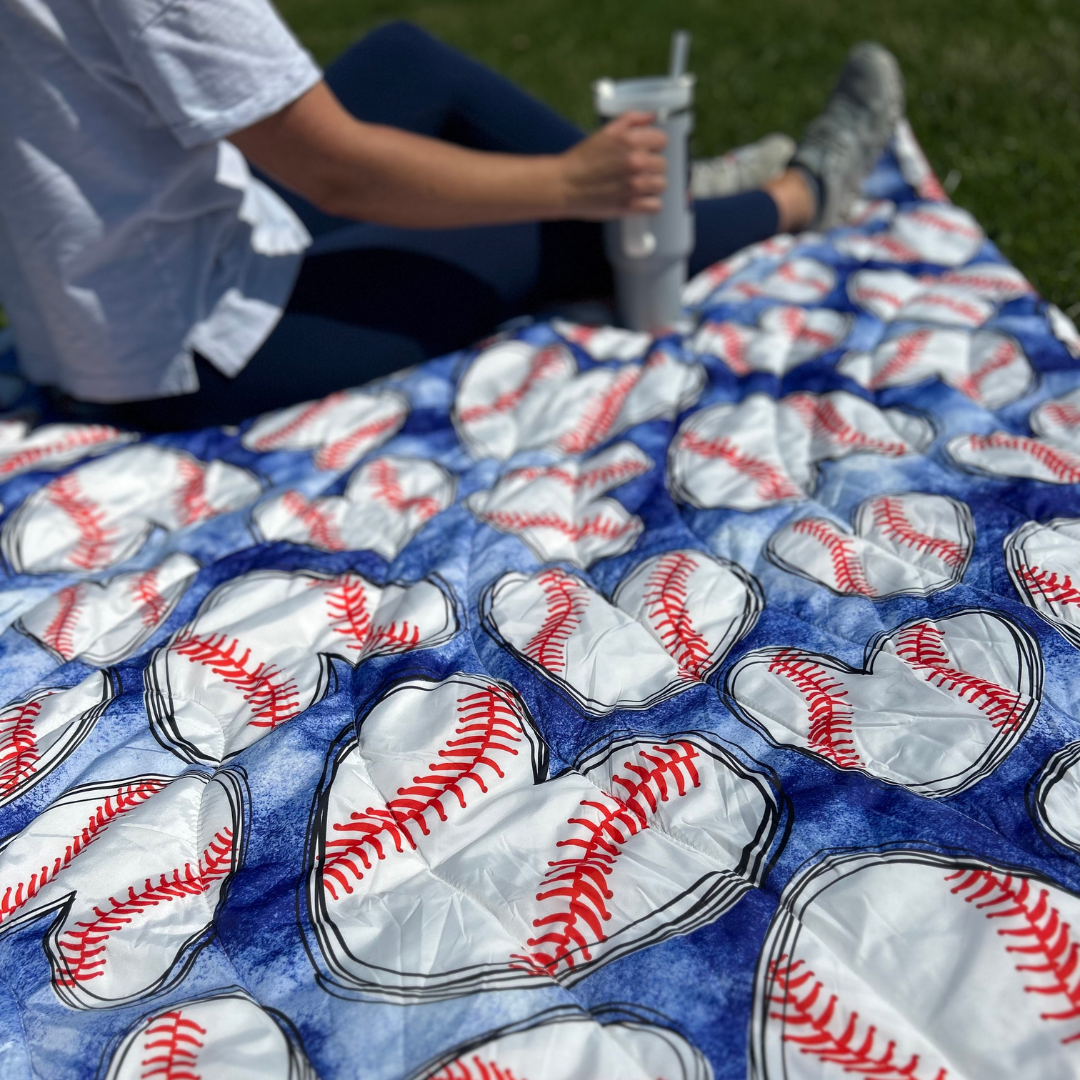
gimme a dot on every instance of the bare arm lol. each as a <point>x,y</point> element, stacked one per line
<point>392,177</point>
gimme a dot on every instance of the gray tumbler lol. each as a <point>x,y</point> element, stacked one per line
<point>649,252</point>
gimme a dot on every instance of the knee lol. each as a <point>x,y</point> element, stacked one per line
<point>401,38</point>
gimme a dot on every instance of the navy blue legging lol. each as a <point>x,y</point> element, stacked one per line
<point>371,299</point>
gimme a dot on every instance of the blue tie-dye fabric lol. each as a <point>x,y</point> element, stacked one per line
<point>737,991</point>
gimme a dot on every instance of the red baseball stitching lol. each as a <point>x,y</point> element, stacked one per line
<point>87,436</point>
<point>542,365</point>
<point>665,597</point>
<point>93,549</point>
<point>191,505</point>
<point>892,521</point>
<point>1042,936</point>
<point>909,350</point>
<point>387,488</point>
<point>928,217</point>
<point>607,476</point>
<point>1054,589</point>
<point>127,798</point>
<point>795,321</point>
<point>734,347</point>
<point>18,746</point>
<point>322,532</point>
<point>81,950</point>
<point>830,716</point>
<point>772,484</point>
<point>347,605</point>
<point>172,1042</point>
<point>58,634</point>
<point>336,455</point>
<point>516,521</point>
<point>601,413</point>
<point>578,883</point>
<point>152,605</point>
<point>951,303</point>
<point>867,292</point>
<point>1062,464</point>
<point>484,1070</point>
<point>803,1010</point>
<point>566,599</point>
<point>922,646</point>
<point>1061,412</point>
<point>899,251</point>
<point>273,439</point>
<point>488,725</point>
<point>786,272</point>
<point>272,696</point>
<point>1003,356</point>
<point>823,418</point>
<point>848,571</point>
<point>985,283</point>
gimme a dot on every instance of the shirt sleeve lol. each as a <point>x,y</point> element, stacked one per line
<point>209,67</point>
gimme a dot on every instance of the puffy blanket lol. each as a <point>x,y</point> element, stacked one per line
<point>583,705</point>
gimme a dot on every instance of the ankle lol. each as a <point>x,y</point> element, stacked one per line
<point>796,198</point>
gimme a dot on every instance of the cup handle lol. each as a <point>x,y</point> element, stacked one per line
<point>638,242</point>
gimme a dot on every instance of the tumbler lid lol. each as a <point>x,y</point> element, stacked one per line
<point>613,97</point>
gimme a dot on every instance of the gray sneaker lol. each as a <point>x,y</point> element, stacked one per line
<point>743,169</point>
<point>842,143</point>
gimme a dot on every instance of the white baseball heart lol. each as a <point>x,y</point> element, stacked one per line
<point>258,652</point>
<point>907,963</point>
<point>386,502</point>
<point>102,623</point>
<point>995,282</point>
<point>480,873</point>
<point>340,428</point>
<point>1052,455</point>
<point>516,396</point>
<point>784,338</point>
<point>52,446</point>
<point>695,605</point>
<point>40,730</point>
<point>935,233</point>
<point>988,367</point>
<point>1043,559</point>
<point>758,452</point>
<point>136,869</point>
<point>966,297</point>
<point>797,280</point>
<point>701,287</point>
<point>561,511</point>
<point>573,1046</point>
<point>599,655</point>
<point>892,295</point>
<point>937,706</point>
<point>225,1037</point>
<point>1058,420</point>
<point>101,513</point>
<point>1057,795</point>
<point>604,342</point>
<point>909,543</point>
<point>1001,453</point>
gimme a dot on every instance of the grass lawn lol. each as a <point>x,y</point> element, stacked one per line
<point>993,85</point>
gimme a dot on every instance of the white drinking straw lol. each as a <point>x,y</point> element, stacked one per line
<point>680,52</point>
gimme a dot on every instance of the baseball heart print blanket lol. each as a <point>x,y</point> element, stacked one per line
<point>582,706</point>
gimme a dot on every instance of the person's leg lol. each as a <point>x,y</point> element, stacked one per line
<point>401,76</point>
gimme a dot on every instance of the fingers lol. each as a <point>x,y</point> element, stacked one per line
<point>636,130</point>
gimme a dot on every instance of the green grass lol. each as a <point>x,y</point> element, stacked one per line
<point>993,85</point>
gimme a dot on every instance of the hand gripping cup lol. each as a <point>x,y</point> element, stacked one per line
<point>649,252</point>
